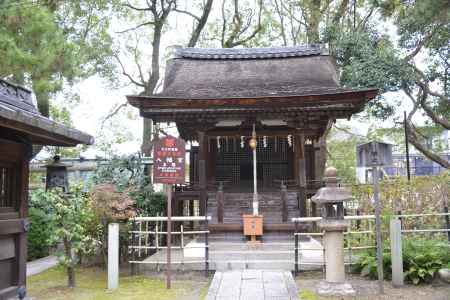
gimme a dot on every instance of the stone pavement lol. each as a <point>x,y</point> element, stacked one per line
<point>253,285</point>
<point>40,265</point>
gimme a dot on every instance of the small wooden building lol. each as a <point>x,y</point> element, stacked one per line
<point>215,96</point>
<point>21,126</point>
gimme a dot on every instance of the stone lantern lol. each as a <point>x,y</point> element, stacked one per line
<point>331,200</point>
<point>57,176</point>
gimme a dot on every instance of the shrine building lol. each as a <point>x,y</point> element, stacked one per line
<point>290,95</point>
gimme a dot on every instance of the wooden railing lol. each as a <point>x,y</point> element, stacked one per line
<point>147,234</point>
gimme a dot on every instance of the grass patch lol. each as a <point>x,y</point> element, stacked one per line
<point>307,295</point>
<point>91,284</point>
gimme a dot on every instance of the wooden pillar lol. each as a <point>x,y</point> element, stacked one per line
<point>219,199</point>
<point>21,239</point>
<point>301,173</point>
<point>202,153</point>
<point>284,206</point>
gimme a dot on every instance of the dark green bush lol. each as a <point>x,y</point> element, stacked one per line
<point>40,217</point>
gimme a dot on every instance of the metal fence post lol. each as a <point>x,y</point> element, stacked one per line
<point>296,249</point>
<point>395,230</point>
<point>206,248</point>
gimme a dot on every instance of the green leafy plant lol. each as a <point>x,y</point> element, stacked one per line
<point>367,264</point>
<point>422,258</point>
<point>72,214</point>
<point>40,217</point>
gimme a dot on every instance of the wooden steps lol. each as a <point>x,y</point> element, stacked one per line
<point>238,204</point>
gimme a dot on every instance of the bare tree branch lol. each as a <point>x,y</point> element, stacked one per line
<point>200,24</point>
<point>181,11</point>
<point>137,27</point>
<point>124,72</point>
<point>239,28</point>
<point>114,112</point>
<point>129,5</point>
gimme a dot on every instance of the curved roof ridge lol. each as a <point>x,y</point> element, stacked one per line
<point>250,53</point>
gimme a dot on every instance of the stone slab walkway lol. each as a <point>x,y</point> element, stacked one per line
<point>252,285</point>
<point>40,265</point>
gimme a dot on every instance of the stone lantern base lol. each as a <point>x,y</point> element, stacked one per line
<point>326,288</point>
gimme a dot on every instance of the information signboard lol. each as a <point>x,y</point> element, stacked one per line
<point>169,161</point>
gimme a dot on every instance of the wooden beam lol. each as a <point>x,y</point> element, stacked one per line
<point>143,102</point>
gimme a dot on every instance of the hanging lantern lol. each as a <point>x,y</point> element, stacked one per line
<point>265,141</point>
<point>242,142</point>
<point>253,143</point>
<point>218,143</point>
<point>57,175</point>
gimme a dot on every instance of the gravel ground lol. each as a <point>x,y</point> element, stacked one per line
<point>368,289</point>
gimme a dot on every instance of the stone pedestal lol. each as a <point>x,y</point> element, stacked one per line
<point>326,288</point>
<point>333,242</point>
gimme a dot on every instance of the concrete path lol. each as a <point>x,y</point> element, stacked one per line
<point>40,265</point>
<point>252,285</point>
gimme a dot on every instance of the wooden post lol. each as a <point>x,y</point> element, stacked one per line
<point>447,221</point>
<point>220,203</point>
<point>21,240</point>
<point>133,250</point>
<point>284,207</point>
<point>206,247</point>
<point>169,235</point>
<point>395,232</point>
<point>376,192</point>
<point>296,249</point>
<point>113,256</point>
<point>191,212</point>
<point>301,173</point>
<point>202,148</point>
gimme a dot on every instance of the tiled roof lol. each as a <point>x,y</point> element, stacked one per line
<point>17,112</point>
<point>249,53</point>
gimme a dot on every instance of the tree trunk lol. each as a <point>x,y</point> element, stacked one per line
<point>312,31</point>
<point>147,137</point>
<point>70,265</point>
<point>43,103</point>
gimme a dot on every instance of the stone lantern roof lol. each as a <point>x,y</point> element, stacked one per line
<point>332,192</point>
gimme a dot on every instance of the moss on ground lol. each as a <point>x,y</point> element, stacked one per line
<point>91,284</point>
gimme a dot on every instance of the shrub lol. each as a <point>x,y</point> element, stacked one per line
<point>367,264</point>
<point>40,217</point>
<point>71,218</point>
<point>422,258</point>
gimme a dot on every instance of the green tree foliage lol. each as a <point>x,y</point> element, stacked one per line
<point>47,45</point>
<point>72,214</point>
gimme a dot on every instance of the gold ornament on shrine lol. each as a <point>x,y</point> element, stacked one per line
<point>253,143</point>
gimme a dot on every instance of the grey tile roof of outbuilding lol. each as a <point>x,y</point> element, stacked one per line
<point>17,112</point>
